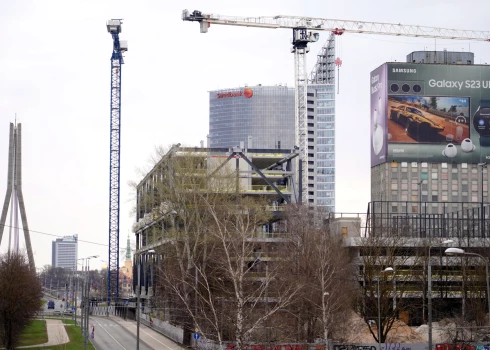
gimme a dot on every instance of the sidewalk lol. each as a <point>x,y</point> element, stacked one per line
<point>56,334</point>
<point>149,336</point>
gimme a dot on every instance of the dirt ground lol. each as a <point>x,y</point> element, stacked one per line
<point>358,333</point>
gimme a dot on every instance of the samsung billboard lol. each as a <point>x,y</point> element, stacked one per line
<point>430,113</point>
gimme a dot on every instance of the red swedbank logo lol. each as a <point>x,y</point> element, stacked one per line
<point>247,93</point>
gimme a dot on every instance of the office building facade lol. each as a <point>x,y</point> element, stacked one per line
<point>65,252</point>
<point>260,117</point>
<point>430,132</point>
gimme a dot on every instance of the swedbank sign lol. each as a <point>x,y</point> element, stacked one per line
<point>247,93</point>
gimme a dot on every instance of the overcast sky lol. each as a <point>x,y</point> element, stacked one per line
<point>55,75</point>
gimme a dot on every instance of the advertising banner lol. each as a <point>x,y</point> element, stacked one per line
<point>379,130</point>
<point>433,113</point>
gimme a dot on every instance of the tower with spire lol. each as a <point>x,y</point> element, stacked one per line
<point>126,273</point>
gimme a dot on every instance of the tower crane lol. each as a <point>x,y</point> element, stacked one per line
<point>305,30</point>
<point>118,48</point>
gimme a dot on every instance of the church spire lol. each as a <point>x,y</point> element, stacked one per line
<point>128,250</point>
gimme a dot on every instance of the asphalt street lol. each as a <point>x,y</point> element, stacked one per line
<point>111,335</point>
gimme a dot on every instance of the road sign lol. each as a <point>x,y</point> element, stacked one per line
<point>196,336</point>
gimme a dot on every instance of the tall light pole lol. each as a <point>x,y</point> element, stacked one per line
<point>459,251</point>
<point>482,211</point>
<point>138,292</point>
<point>86,301</point>
<point>419,187</point>
<point>429,295</point>
<point>388,269</point>
<point>82,310</point>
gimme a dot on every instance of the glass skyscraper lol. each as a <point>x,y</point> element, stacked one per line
<point>264,113</point>
<point>321,145</point>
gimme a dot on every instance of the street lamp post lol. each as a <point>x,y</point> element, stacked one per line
<point>419,185</point>
<point>459,251</point>
<point>86,301</point>
<point>138,292</point>
<point>482,211</point>
<point>82,300</point>
<point>429,296</point>
<point>388,269</point>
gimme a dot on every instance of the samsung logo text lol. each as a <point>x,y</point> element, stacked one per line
<point>404,70</point>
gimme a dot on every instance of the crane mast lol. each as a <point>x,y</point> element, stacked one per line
<point>305,31</point>
<point>114,28</point>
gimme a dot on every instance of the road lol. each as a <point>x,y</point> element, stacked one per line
<point>117,333</point>
<point>59,308</point>
<point>111,335</point>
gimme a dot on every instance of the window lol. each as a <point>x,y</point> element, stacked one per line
<point>394,165</point>
<point>344,234</point>
<point>434,176</point>
<point>404,164</point>
<point>434,198</point>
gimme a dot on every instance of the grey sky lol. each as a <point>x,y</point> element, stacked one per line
<point>55,74</point>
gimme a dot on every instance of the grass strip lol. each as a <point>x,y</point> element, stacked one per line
<point>35,333</point>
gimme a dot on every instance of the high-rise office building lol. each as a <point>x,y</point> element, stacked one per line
<point>65,252</point>
<point>263,117</point>
<point>430,134</point>
<point>321,128</point>
<point>263,113</point>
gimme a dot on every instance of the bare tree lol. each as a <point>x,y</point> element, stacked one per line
<point>178,200</point>
<point>255,281</point>
<point>324,271</point>
<point>20,297</point>
<point>386,294</point>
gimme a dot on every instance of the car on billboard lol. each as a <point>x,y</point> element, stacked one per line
<point>417,126</point>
